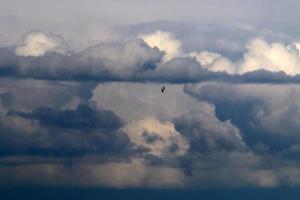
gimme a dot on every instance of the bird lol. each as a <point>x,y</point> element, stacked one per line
<point>163,89</point>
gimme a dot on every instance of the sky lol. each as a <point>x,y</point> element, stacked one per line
<point>81,107</point>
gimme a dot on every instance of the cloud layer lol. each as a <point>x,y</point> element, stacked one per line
<point>156,57</point>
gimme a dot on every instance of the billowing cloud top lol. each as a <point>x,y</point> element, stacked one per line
<point>166,42</point>
<point>38,44</point>
<point>156,57</point>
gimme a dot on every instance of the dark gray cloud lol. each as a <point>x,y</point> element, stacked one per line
<point>49,132</point>
<point>206,134</point>
<point>114,62</point>
<point>264,117</point>
<point>83,117</point>
<point>29,94</point>
<point>74,143</point>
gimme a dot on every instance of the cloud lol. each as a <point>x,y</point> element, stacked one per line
<point>112,61</point>
<point>136,101</point>
<point>160,138</point>
<point>214,62</point>
<point>271,57</point>
<point>259,55</point>
<point>134,61</point>
<point>228,40</point>
<point>38,44</point>
<point>166,42</point>
<point>197,145</point>
<point>259,140</point>
<point>64,133</point>
<point>205,58</point>
<point>119,59</point>
<point>83,117</point>
<point>206,133</point>
<point>264,117</point>
<point>22,94</point>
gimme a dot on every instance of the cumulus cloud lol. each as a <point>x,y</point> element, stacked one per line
<point>160,138</point>
<point>272,57</point>
<point>259,55</point>
<point>112,61</point>
<point>205,58</point>
<point>214,62</point>
<point>205,145</point>
<point>178,70</point>
<point>67,143</point>
<point>192,119</point>
<point>263,116</point>
<point>134,60</point>
<point>267,122</point>
<point>62,133</point>
<point>166,42</point>
<point>83,117</point>
<point>38,44</point>
<point>228,40</point>
<point>206,133</point>
<point>22,94</point>
<point>121,59</point>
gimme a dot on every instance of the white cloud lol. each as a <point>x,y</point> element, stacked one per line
<point>166,42</point>
<point>160,137</point>
<point>38,44</point>
<point>205,58</point>
<point>273,57</point>
<point>259,55</point>
<point>214,62</point>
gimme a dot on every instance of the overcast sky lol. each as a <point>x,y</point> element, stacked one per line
<point>265,13</point>
<point>76,19</point>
